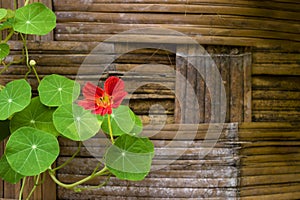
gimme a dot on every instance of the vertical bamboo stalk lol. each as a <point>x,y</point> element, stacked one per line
<point>247,88</point>
<point>180,85</point>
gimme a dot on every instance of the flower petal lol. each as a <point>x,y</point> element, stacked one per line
<point>87,104</point>
<point>118,98</point>
<point>113,84</point>
<point>102,111</point>
<point>91,91</point>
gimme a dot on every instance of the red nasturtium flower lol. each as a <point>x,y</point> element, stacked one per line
<point>101,101</point>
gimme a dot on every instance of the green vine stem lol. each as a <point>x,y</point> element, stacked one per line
<point>30,67</point>
<point>73,185</point>
<point>11,33</point>
<point>26,2</point>
<point>36,182</point>
<point>70,159</point>
<point>22,188</point>
<point>6,66</point>
<point>110,129</point>
<point>80,189</point>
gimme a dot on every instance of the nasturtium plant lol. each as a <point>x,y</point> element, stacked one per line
<point>138,126</point>
<point>122,121</point>
<point>30,152</point>
<point>36,115</point>
<point>3,13</point>
<point>130,157</point>
<point>32,126</point>
<point>14,97</point>
<point>56,90</point>
<point>7,173</point>
<point>4,50</point>
<point>34,18</point>
<point>75,123</point>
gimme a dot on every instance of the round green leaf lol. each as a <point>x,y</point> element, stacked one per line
<point>14,97</point>
<point>130,157</point>
<point>35,115</point>
<point>75,123</point>
<point>7,173</point>
<point>138,126</point>
<point>56,90</point>
<point>10,14</point>
<point>6,25</point>
<point>3,13</point>
<point>34,19</point>
<point>30,151</point>
<point>122,121</point>
<point>4,129</point>
<point>4,50</point>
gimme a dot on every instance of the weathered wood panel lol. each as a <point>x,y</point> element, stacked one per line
<point>199,80</point>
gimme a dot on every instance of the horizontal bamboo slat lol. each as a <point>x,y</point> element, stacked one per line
<point>270,166</point>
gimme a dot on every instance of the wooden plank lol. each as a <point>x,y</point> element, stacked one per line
<point>284,58</point>
<point>265,190</point>
<point>224,67</point>
<point>276,104</point>
<point>191,111</point>
<point>200,88</point>
<point>174,8</point>
<point>237,89</point>
<point>96,29</point>
<point>268,125</point>
<point>269,179</point>
<point>215,40</point>
<point>276,69</point>
<point>276,83</point>
<point>247,110</point>
<point>278,95</point>
<point>290,195</point>
<point>49,190</point>
<point>268,150</point>
<point>273,116</point>
<point>148,18</point>
<point>156,182</point>
<point>208,79</point>
<point>285,5</point>
<point>141,192</point>
<point>180,83</point>
<point>269,170</point>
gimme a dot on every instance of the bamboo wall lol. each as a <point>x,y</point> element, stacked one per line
<point>268,158</point>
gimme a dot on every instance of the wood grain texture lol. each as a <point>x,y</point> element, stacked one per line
<point>270,165</point>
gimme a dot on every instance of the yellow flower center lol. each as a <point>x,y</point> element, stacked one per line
<point>104,101</point>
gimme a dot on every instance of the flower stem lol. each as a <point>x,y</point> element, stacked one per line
<point>73,185</point>
<point>70,159</point>
<point>22,188</point>
<point>27,61</point>
<point>26,2</point>
<point>110,129</point>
